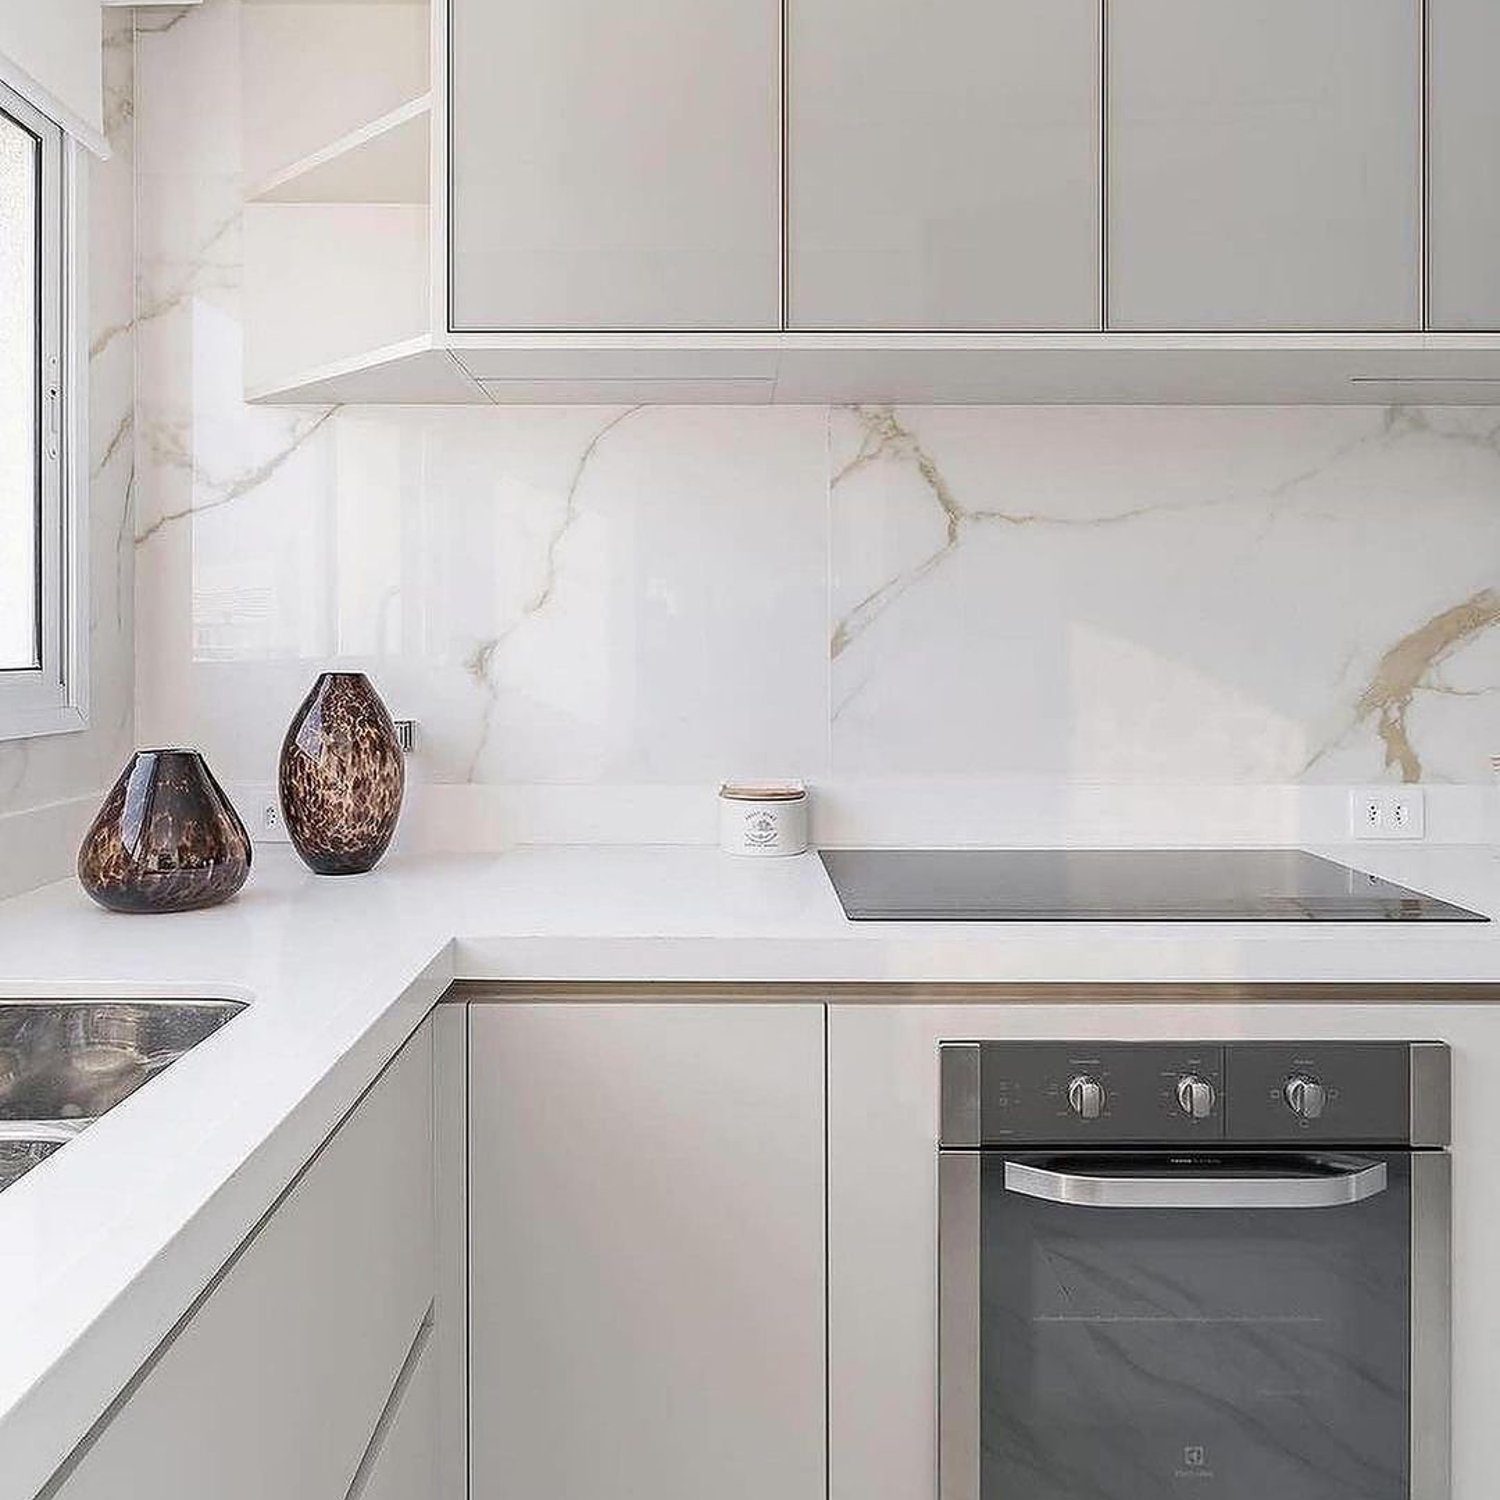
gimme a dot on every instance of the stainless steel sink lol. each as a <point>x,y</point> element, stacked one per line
<point>63,1063</point>
<point>18,1157</point>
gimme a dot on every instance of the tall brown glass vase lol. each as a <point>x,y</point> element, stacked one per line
<point>341,776</point>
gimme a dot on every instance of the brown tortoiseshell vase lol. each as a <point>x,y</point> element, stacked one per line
<point>342,776</point>
<point>166,839</point>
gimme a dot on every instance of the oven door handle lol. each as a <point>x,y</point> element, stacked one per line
<point>1354,1180</point>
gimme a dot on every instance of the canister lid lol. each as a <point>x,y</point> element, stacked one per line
<point>763,791</point>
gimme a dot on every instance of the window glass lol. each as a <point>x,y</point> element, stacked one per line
<point>20,165</point>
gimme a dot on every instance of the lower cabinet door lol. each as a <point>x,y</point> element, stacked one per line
<point>646,1261</point>
<point>275,1386</point>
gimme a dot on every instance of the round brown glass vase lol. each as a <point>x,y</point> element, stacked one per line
<point>341,776</point>
<point>166,839</point>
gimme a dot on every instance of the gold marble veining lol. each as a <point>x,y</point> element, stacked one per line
<point>1360,484</point>
<point>115,443</point>
<point>480,660</point>
<point>224,493</point>
<point>1408,668</point>
<point>886,439</point>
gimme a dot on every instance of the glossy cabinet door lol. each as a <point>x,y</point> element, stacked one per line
<point>1463,144</point>
<point>1264,164</point>
<point>646,1251</point>
<point>278,1383</point>
<point>943,164</point>
<point>615,166</point>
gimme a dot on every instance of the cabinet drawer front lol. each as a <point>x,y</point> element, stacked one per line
<point>943,167</point>
<point>616,165</point>
<point>646,1251</point>
<point>274,1386</point>
<point>1264,162</point>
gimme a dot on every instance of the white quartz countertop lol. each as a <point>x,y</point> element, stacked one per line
<point>104,1246</point>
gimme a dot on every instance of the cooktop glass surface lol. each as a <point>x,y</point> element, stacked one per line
<point>1119,885</point>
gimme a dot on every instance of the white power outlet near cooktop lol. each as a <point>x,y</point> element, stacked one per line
<point>1388,813</point>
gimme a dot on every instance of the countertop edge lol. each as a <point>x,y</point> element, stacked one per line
<point>42,1430</point>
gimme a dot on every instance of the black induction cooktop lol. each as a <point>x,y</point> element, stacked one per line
<point>1119,885</point>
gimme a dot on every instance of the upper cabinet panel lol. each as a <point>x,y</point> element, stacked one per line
<point>943,166</point>
<point>1264,165</point>
<point>615,165</point>
<point>1463,143</point>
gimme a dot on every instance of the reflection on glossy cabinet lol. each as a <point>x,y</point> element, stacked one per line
<point>615,166</point>
<point>1264,165</point>
<point>404,1464</point>
<point>646,1273</point>
<point>943,166</point>
<point>277,1384</point>
<point>1463,143</point>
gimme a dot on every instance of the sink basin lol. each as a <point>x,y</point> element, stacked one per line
<point>75,1059</point>
<point>18,1157</point>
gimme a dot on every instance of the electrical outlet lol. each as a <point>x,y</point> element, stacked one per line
<point>1388,813</point>
<point>269,829</point>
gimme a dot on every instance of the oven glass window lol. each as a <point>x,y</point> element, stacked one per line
<point>1218,1353</point>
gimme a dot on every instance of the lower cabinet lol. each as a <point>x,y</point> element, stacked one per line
<point>646,1251</point>
<point>304,1373</point>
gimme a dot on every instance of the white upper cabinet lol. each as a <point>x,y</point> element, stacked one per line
<point>872,201</point>
<point>943,164</point>
<point>615,166</point>
<point>1463,144</point>
<point>1264,163</point>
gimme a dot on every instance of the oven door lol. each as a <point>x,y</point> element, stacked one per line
<point>1229,1326</point>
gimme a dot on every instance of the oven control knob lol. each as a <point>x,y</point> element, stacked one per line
<point>1305,1096</point>
<point>1086,1097</point>
<point>1195,1096</point>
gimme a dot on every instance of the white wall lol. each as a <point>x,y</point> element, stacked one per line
<point>51,787</point>
<point>572,600</point>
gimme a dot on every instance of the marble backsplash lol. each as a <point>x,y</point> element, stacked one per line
<point>655,597</point>
<point>670,594</point>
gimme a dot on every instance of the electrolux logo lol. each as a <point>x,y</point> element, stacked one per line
<point>1194,1464</point>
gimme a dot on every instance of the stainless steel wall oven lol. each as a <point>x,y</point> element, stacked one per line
<point>1217,1270</point>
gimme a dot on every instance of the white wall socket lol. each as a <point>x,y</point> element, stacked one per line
<point>1388,813</point>
<point>268,827</point>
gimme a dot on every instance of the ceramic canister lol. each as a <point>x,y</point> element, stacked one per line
<point>763,817</point>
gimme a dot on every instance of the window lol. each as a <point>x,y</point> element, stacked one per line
<point>40,648</point>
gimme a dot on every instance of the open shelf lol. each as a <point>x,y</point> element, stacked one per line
<point>337,140</point>
<point>327,281</point>
<point>409,371</point>
<point>321,81</point>
<point>385,161</point>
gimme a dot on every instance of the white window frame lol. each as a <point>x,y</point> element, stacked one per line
<point>53,698</point>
